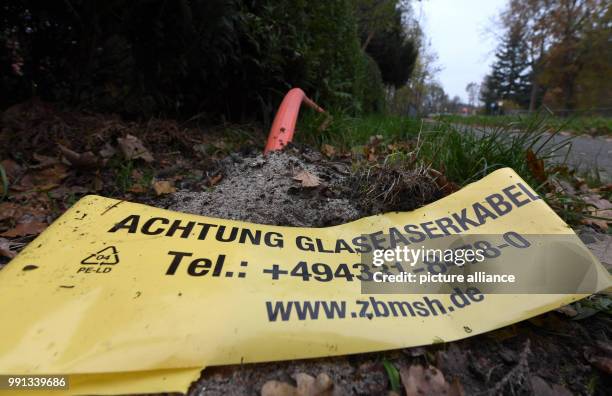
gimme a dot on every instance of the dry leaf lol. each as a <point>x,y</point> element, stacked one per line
<point>163,187</point>
<point>84,160</point>
<point>307,179</point>
<point>133,148</point>
<point>536,166</point>
<point>602,363</point>
<point>418,380</point>
<point>140,189</point>
<point>309,386</point>
<point>215,179</point>
<point>375,140</point>
<point>601,208</point>
<point>328,150</point>
<point>5,248</point>
<point>63,191</point>
<point>107,151</point>
<point>23,229</point>
<point>12,169</point>
<point>9,210</point>
<point>567,310</point>
<point>277,388</point>
<point>24,214</point>
<point>44,161</point>
<point>42,179</point>
<point>306,386</point>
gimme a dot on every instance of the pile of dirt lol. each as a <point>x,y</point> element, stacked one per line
<point>270,190</point>
<point>299,187</point>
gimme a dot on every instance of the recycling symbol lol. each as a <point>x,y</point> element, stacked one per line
<point>106,256</point>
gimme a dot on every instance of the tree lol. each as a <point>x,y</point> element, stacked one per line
<point>531,17</point>
<point>511,68</point>
<point>489,94</point>
<point>436,100</point>
<point>383,29</point>
<point>572,21</point>
<point>566,41</point>
<point>423,75</point>
<point>472,90</point>
<point>373,17</point>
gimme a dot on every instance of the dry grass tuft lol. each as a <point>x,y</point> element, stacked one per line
<point>395,185</point>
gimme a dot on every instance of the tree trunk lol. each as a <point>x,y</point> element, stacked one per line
<point>367,42</point>
<point>535,86</point>
<point>568,98</point>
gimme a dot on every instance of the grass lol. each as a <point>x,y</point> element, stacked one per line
<point>5,183</point>
<point>462,154</point>
<point>345,132</point>
<point>393,376</point>
<point>592,125</point>
<point>466,156</point>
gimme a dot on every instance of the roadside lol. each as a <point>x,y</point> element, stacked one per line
<point>576,125</point>
<point>591,156</point>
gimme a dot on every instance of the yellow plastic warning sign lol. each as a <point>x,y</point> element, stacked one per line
<point>126,298</point>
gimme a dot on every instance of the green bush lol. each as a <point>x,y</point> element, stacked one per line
<point>231,59</point>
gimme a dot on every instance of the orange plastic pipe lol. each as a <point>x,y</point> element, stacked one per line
<point>284,122</point>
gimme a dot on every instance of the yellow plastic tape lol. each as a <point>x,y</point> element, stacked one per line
<point>126,298</point>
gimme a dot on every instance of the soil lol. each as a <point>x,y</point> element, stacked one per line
<point>268,190</point>
<point>263,190</point>
<point>544,356</point>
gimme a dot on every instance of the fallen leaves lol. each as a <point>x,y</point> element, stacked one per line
<point>419,380</point>
<point>25,229</point>
<point>600,356</point>
<point>307,385</point>
<point>536,166</point>
<point>214,180</point>
<point>307,179</point>
<point>19,220</point>
<point>328,150</point>
<point>600,208</point>
<point>5,248</point>
<point>87,160</point>
<point>572,193</point>
<point>448,187</point>
<point>12,169</point>
<point>163,187</point>
<point>133,148</point>
<point>42,179</point>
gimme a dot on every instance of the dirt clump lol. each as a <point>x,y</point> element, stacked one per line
<point>298,187</point>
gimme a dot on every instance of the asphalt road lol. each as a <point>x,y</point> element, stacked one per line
<point>586,153</point>
<point>590,153</point>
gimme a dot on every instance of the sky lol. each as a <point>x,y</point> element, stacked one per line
<point>456,30</point>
